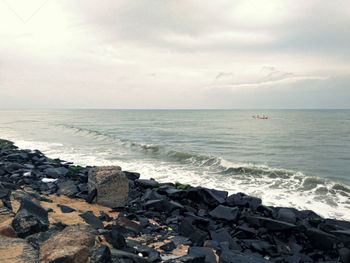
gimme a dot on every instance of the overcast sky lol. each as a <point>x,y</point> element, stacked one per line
<point>174,54</point>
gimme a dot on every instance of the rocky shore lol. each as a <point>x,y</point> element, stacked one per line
<point>53,211</point>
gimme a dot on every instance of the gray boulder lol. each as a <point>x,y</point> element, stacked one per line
<point>111,184</point>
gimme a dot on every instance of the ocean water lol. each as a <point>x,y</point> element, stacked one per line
<point>298,158</point>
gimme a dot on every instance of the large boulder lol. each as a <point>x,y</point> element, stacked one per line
<point>16,250</point>
<point>72,245</point>
<point>111,184</point>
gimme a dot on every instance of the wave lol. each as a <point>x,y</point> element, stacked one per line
<point>276,186</point>
<point>213,163</point>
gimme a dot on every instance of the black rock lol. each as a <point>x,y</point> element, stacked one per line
<point>38,238</point>
<point>162,205</point>
<point>198,221</point>
<point>344,254</point>
<point>191,259</point>
<point>4,193</point>
<point>152,194</point>
<point>309,215</point>
<point>180,240</point>
<point>212,244</point>
<point>82,195</point>
<point>127,257</point>
<point>260,246</point>
<point>225,213</point>
<point>129,225</point>
<point>7,145</point>
<point>168,247</point>
<point>207,196</point>
<point>91,196</point>
<point>116,239</point>
<point>150,254</point>
<point>91,219</point>
<point>7,185</point>
<point>126,232</point>
<point>2,171</point>
<point>100,255</point>
<point>270,224</point>
<point>56,172</point>
<point>67,188</point>
<point>17,157</point>
<point>320,239</point>
<point>143,221</point>
<point>340,224</point>
<point>83,187</point>
<point>232,256</point>
<point>293,259</point>
<point>222,235</point>
<point>12,167</point>
<point>105,217</point>
<point>65,209</point>
<point>196,235</point>
<point>207,252</point>
<point>287,215</point>
<point>131,175</point>
<point>145,183</point>
<point>174,193</point>
<point>241,199</point>
<point>246,231</point>
<point>343,236</point>
<point>30,218</point>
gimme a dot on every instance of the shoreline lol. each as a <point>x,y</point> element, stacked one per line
<point>207,224</point>
<point>328,197</point>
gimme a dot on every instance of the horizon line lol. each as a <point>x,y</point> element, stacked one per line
<point>165,109</point>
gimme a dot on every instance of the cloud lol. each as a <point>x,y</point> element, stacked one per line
<point>224,75</point>
<point>310,93</point>
<point>166,53</point>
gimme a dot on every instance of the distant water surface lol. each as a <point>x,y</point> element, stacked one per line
<point>297,158</point>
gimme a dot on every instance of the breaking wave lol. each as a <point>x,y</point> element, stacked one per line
<point>276,186</point>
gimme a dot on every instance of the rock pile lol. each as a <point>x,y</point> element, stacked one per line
<point>149,221</point>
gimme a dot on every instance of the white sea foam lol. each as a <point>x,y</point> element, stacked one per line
<point>277,187</point>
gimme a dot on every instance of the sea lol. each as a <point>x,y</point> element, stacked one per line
<point>295,158</point>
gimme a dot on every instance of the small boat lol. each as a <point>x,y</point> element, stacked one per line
<point>263,117</point>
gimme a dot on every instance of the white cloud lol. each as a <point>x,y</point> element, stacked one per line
<point>171,53</point>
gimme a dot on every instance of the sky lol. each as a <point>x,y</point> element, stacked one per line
<point>174,54</point>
